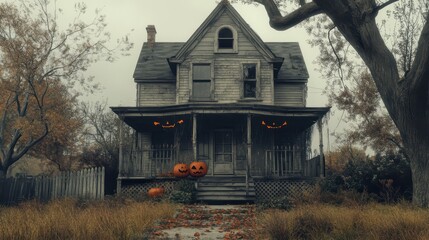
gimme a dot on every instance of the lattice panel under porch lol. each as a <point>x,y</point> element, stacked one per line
<point>267,189</point>
<point>139,190</point>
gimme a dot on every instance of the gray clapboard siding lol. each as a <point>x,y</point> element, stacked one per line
<point>155,94</point>
<point>288,94</point>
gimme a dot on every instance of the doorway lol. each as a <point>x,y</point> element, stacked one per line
<point>223,152</point>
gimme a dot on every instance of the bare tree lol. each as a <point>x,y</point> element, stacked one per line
<point>405,95</point>
<point>102,140</point>
<point>35,55</point>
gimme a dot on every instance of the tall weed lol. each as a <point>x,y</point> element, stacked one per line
<point>72,219</point>
<point>371,221</point>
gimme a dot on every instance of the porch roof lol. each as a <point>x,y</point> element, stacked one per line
<point>131,115</point>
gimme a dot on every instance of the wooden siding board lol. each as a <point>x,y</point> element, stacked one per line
<point>155,94</point>
<point>289,94</point>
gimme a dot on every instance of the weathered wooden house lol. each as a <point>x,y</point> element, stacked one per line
<point>224,97</point>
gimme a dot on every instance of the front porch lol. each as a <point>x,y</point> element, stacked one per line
<point>233,139</point>
<point>158,161</point>
<point>252,151</point>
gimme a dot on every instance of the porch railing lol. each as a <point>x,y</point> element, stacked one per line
<point>282,161</point>
<point>150,161</point>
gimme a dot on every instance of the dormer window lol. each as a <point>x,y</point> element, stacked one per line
<point>226,40</point>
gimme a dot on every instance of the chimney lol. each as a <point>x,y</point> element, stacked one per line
<point>151,32</point>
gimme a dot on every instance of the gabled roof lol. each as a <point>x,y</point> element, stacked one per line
<point>293,65</point>
<point>153,64</point>
<point>214,16</point>
<point>158,63</point>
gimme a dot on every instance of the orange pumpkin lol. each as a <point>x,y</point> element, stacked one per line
<point>198,169</point>
<point>181,170</point>
<point>155,192</point>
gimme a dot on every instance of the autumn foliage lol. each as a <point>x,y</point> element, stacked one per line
<point>40,66</point>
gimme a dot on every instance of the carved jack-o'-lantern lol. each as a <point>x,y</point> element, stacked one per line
<point>198,169</point>
<point>168,124</point>
<point>181,170</point>
<point>155,192</point>
<point>274,125</point>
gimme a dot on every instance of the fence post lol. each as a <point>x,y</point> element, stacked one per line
<point>103,175</point>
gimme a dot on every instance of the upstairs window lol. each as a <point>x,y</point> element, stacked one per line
<point>201,82</point>
<point>249,80</point>
<point>225,39</point>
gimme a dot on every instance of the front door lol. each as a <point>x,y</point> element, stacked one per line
<point>223,152</point>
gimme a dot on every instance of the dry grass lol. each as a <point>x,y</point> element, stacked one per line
<point>372,221</point>
<point>71,219</point>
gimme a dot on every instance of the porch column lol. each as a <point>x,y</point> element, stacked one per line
<point>194,135</point>
<point>120,167</point>
<point>322,158</point>
<point>249,143</point>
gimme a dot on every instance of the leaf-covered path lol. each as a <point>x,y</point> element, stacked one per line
<point>209,222</point>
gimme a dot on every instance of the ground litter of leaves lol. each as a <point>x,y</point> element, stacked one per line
<point>208,222</point>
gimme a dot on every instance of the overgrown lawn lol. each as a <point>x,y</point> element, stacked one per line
<point>72,219</point>
<point>371,221</point>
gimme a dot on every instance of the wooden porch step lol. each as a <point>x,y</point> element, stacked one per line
<point>225,188</point>
<point>222,179</point>
<point>226,198</point>
<point>225,184</point>
<point>227,193</point>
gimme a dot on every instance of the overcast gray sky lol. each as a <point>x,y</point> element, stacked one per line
<point>175,21</point>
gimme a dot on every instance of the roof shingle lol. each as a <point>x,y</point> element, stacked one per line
<point>153,65</point>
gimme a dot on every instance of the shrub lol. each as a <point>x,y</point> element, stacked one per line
<point>181,197</point>
<point>281,202</point>
<point>386,178</point>
<point>184,192</point>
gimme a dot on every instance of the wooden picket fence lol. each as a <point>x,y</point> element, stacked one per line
<point>86,184</point>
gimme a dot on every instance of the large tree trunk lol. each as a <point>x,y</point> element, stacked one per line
<point>417,148</point>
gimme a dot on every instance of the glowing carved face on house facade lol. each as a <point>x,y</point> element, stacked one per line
<point>168,124</point>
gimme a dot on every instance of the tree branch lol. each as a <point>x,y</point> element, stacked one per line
<point>419,71</point>
<point>30,144</point>
<point>279,22</point>
<point>383,5</point>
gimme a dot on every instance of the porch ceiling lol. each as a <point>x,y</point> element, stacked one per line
<point>137,116</point>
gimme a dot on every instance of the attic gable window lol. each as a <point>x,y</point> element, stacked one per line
<point>226,40</point>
